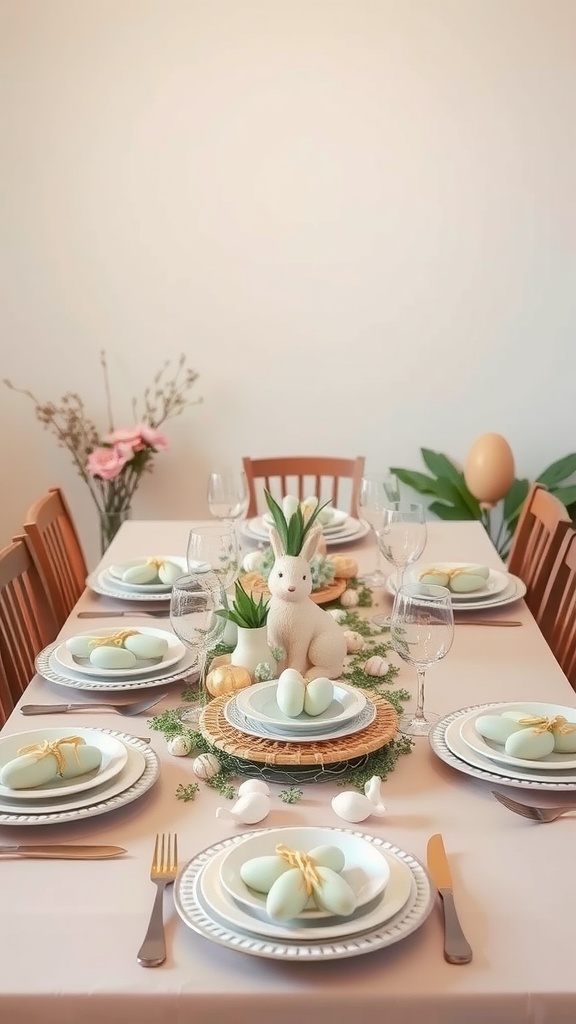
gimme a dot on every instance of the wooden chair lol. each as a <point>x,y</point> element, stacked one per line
<point>557,614</point>
<point>542,526</point>
<point>303,476</point>
<point>55,545</point>
<point>27,624</point>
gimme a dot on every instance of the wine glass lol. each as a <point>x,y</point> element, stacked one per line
<point>401,539</point>
<point>213,548</point>
<point>377,491</point>
<point>422,631</point>
<point>228,495</point>
<point>194,602</point>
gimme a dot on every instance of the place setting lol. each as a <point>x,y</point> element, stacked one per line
<point>472,587</point>
<point>338,527</point>
<point>304,893</point>
<point>527,744</point>
<point>146,579</point>
<point>116,659</point>
<point>63,774</point>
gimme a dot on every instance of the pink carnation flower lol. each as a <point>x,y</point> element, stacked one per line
<point>108,463</point>
<point>139,437</point>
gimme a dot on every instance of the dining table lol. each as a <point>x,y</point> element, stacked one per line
<point>70,930</point>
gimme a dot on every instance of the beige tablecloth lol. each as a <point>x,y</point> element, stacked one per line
<point>70,931</point>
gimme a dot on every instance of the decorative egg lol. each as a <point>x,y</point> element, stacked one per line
<point>329,856</point>
<point>288,895</point>
<point>290,693</point>
<point>334,894</point>
<point>436,577</point>
<point>529,745</point>
<point>376,666</point>
<point>180,746</point>
<point>465,581</point>
<point>354,641</point>
<point>145,646</point>
<point>495,727</point>
<point>168,572</point>
<point>352,806</point>
<point>260,873</point>
<point>489,468</point>
<point>80,646</point>
<point>27,771</point>
<point>140,574</point>
<point>248,809</point>
<point>345,567</point>
<point>349,598</point>
<point>253,561</point>
<point>565,742</point>
<point>227,679</point>
<point>112,658</point>
<point>206,766</point>
<point>253,786</point>
<point>318,696</point>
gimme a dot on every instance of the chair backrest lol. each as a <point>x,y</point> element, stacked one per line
<point>56,547</point>
<point>304,476</point>
<point>558,608</point>
<point>544,522</point>
<point>27,624</point>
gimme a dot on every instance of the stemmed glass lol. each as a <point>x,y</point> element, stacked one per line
<point>228,495</point>
<point>213,548</point>
<point>401,539</point>
<point>422,631</point>
<point>194,601</point>
<point>377,491</point>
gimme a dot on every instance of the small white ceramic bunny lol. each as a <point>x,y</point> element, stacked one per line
<point>313,642</point>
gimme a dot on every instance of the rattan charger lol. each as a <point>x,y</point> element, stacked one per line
<point>215,728</point>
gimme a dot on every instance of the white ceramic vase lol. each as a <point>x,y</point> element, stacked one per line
<point>252,649</point>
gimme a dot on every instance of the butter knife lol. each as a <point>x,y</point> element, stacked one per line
<point>457,949</point>
<point>156,614</point>
<point>62,852</point>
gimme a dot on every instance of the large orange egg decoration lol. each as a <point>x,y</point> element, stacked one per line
<point>489,469</point>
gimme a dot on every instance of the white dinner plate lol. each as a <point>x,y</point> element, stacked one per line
<point>259,703</point>
<point>47,667</point>
<point>457,745</point>
<point>113,752</point>
<point>495,751</point>
<point>112,574</point>
<point>102,804</point>
<point>255,531</point>
<point>175,652</point>
<point>515,590</point>
<point>338,518</point>
<point>496,583</point>
<point>404,906</point>
<point>238,720</point>
<point>101,582</point>
<point>130,773</point>
<point>366,868</point>
<point>470,763</point>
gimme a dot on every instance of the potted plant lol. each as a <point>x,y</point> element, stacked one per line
<point>250,616</point>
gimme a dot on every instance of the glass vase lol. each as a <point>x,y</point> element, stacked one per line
<point>110,523</point>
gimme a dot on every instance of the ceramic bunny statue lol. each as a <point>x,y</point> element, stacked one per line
<point>313,642</point>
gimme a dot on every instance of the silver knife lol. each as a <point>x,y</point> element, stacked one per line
<point>60,852</point>
<point>156,614</point>
<point>457,949</point>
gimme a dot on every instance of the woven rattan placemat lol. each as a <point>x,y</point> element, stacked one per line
<point>223,736</point>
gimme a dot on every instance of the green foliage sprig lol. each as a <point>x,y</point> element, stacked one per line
<point>246,612</point>
<point>293,532</point>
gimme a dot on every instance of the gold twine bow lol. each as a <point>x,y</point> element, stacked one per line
<point>114,639</point>
<point>306,864</point>
<point>540,724</point>
<point>47,747</point>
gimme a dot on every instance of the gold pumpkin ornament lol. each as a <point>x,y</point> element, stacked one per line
<point>227,679</point>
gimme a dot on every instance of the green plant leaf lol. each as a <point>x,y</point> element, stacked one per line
<point>246,611</point>
<point>450,512</point>
<point>558,471</point>
<point>442,467</point>
<point>567,495</point>
<point>418,481</point>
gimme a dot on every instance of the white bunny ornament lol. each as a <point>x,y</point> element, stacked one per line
<point>313,643</point>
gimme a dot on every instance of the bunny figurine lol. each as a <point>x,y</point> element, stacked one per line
<point>313,642</point>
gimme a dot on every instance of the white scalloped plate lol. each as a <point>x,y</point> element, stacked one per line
<point>259,703</point>
<point>175,652</point>
<point>47,667</point>
<point>238,720</point>
<point>112,575</point>
<point>495,751</point>
<point>101,582</point>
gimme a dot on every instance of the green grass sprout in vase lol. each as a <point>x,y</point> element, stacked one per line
<point>245,611</point>
<point>294,529</point>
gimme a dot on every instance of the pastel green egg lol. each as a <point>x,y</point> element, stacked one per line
<point>564,742</point>
<point>466,583</point>
<point>260,873</point>
<point>518,716</point>
<point>319,696</point>
<point>334,894</point>
<point>495,727</point>
<point>529,745</point>
<point>80,646</point>
<point>329,857</point>
<point>168,572</point>
<point>27,772</point>
<point>290,693</point>
<point>141,574</point>
<point>436,577</point>
<point>288,896</point>
<point>112,658</point>
<point>145,646</point>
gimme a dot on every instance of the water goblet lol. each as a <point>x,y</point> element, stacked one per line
<point>422,631</point>
<point>213,548</point>
<point>194,603</point>
<point>401,539</point>
<point>228,495</point>
<point>377,491</point>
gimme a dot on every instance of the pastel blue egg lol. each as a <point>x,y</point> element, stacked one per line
<point>529,745</point>
<point>495,727</point>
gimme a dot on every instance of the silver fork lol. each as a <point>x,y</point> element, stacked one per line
<point>164,869</point>
<point>533,813</point>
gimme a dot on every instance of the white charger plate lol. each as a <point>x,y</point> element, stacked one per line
<point>130,773</point>
<point>405,905</point>
<point>101,582</point>
<point>259,703</point>
<point>468,762</point>
<point>496,583</point>
<point>47,667</point>
<point>175,653</point>
<point>515,590</point>
<point>337,518</point>
<point>366,869</point>
<point>355,530</point>
<point>113,574</point>
<point>495,751</point>
<point>113,752</point>
<point>101,804</point>
<point>238,720</point>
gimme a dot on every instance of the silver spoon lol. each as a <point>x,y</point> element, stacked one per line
<point>134,708</point>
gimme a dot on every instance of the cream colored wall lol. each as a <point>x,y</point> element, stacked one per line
<point>355,216</point>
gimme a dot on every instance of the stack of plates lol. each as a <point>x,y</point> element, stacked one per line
<point>129,768</point>
<point>393,894</point>
<point>108,583</point>
<point>455,740</point>
<point>57,664</point>
<point>254,711</point>
<point>501,588</point>
<point>343,529</point>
